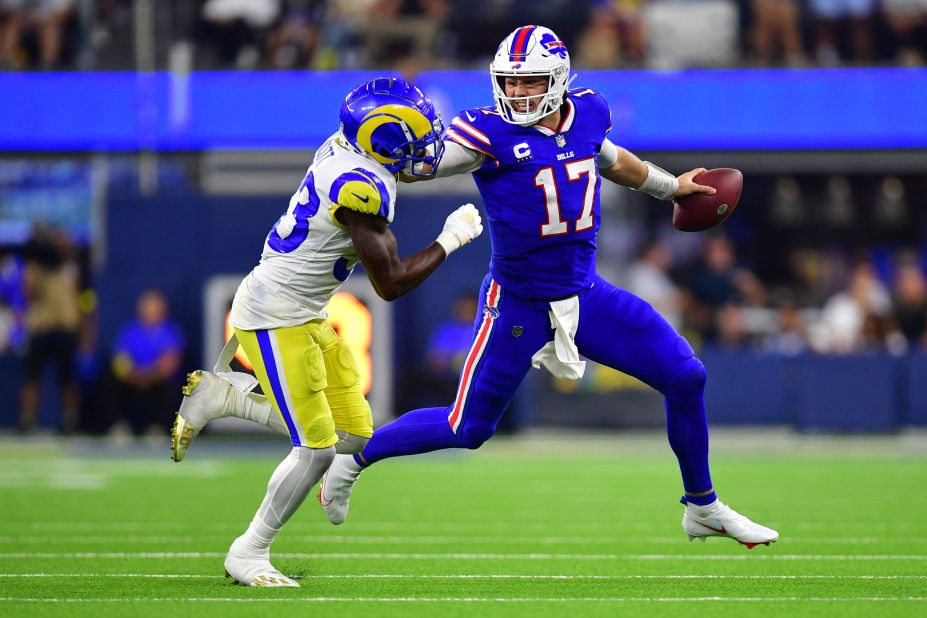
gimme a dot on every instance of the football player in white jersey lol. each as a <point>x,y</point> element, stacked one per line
<point>339,216</point>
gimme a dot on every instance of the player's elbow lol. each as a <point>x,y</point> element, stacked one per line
<point>388,290</point>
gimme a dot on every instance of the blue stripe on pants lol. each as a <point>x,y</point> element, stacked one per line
<point>270,365</point>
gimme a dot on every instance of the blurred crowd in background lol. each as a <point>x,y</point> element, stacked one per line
<point>825,264</point>
<point>414,35</point>
<point>48,320</point>
<point>756,285</point>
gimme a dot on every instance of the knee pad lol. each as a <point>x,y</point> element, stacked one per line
<point>693,380</point>
<point>473,436</point>
<point>320,432</point>
<point>349,443</point>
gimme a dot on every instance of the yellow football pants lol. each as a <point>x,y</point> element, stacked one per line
<point>311,378</point>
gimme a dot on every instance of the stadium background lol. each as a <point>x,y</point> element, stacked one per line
<point>152,144</point>
<point>165,138</point>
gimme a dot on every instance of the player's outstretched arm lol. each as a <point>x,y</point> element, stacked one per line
<point>628,170</point>
<point>377,249</point>
<point>456,160</point>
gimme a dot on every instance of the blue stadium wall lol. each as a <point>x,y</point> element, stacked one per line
<point>670,110</point>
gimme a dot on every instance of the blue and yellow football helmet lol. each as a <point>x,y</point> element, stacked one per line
<point>396,124</point>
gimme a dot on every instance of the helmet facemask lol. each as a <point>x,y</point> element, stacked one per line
<point>421,157</point>
<point>547,103</point>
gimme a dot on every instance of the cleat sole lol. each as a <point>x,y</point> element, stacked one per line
<point>752,545</point>
<point>271,581</point>
<point>193,380</point>
<point>182,434</point>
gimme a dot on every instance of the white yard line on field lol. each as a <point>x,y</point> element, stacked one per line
<point>429,540</point>
<point>485,576</point>
<point>464,600</point>
<point>612,526</point>
<point>475,556</point>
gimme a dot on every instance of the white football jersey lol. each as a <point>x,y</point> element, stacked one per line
<point>308,255</point>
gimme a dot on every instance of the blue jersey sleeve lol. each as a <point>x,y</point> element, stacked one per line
<point>470,129</point>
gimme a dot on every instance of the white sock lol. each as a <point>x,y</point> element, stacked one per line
<point>288,487</point>
<point>349,443</point>
<point>258,409</point>
<point>707,509</point>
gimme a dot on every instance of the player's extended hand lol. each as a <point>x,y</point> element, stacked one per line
<point>461,226</point>
<point>688,186</point>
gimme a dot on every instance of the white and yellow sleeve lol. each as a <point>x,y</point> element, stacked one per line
<point>362,191</point>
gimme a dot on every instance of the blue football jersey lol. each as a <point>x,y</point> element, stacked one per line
<point>540,191</point>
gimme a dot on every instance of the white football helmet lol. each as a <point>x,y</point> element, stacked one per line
<point>530,51</point>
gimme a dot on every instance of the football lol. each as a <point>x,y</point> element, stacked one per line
<point>699,211</point>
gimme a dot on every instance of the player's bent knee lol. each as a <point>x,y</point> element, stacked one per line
<point>320,433</point>
<point>319,458</point>
<point>693,380</point>
<point>473,436</point>
<point>349,443</point>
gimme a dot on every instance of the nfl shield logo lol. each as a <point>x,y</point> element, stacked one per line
<point>561,141</point>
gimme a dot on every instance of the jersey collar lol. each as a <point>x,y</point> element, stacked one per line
<point>567,115</point>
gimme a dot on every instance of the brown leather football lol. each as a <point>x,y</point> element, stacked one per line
<point>699,211</point>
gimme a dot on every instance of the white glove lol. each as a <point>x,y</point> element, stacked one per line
<point>462,226</point>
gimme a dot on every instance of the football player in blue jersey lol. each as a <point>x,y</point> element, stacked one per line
<point>538,156</point>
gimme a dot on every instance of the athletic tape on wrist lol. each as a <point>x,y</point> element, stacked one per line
<point>448,241</point>
<point>659,183</point>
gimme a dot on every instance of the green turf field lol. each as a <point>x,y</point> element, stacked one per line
<point>530,527</point>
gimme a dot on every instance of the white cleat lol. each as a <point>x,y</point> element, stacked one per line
<point>337,484</point>
<point>205,399</point>
<point>718,519</point>
<point>254,570</point>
